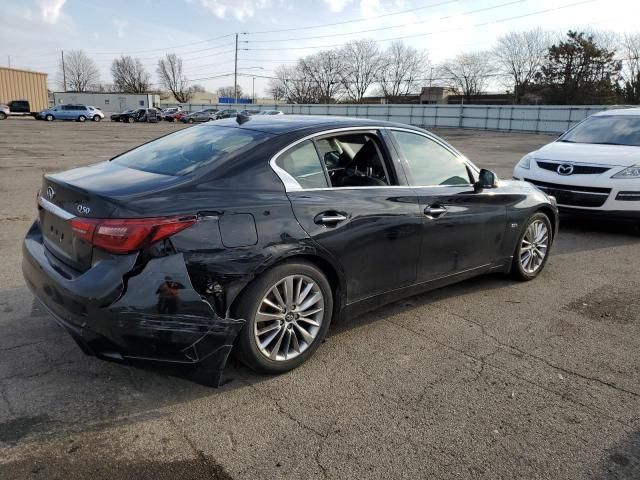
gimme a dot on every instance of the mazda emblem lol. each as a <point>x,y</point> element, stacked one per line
<point>565,169</point>
<point>51,192</point>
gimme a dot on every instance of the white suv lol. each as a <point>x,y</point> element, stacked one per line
<point>592,168</point>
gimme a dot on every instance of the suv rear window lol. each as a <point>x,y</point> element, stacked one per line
<point>183,152</point>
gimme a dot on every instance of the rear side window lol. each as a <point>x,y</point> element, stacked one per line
<point>188,150</point>
<point>429,162</point>
<point>303,164</point>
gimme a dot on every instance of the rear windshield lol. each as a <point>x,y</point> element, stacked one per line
<point>183,152</point>
<point>606,130</point>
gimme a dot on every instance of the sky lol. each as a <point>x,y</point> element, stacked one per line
<point>272,32</point>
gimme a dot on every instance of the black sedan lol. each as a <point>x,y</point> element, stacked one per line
<point>149,115</point>
<point>115,117</point>
<point>254,234</point>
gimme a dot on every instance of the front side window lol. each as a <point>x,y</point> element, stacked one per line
<point>303,164</point>
<point>188,150</point>
<point>429,162</point>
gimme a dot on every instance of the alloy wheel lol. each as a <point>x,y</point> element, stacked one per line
<point>534,246</point>
<point>289,318</point>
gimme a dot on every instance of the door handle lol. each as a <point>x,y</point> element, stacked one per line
<point>435,210</point>
<point>330,218</point>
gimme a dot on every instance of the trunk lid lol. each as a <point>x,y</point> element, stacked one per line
<point>95,191</point>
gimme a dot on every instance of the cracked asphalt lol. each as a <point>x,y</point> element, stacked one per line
<point>487,379</point>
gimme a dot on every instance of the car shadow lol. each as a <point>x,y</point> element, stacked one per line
<point>580,233</point>
<point>622,461</point>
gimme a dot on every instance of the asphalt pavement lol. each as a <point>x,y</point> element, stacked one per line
<point>487,379</point>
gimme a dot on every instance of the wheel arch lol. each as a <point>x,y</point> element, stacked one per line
<point>553,218</point>
<point>335,279</point>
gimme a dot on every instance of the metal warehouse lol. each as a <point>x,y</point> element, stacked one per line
<point>108,102</point>
<point>24,85</point>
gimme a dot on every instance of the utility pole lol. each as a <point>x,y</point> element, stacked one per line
<point>253,90</point>
<point>9,60</point>
<point>235,74</point>
<point>64,72</point>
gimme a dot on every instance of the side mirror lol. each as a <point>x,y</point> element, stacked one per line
<point>486,179</point>
<point>332,158</point>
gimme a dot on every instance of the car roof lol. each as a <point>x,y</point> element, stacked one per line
<point>618,111</point>
<point>281,124</point>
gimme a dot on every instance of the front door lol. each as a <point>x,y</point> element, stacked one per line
<point>349,201</point>
<point>463,229</point>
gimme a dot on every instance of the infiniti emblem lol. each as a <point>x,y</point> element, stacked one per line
<point>566,169</point>
<point>51,192</point>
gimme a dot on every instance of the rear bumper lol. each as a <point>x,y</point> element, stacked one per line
<point>153,314</point>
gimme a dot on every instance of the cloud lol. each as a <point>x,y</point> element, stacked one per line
<point>51,10</point>
<point>241,9</point>
<point>337,6</point>
<point>120,26</point>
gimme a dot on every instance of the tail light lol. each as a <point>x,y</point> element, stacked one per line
<point>128,235</point>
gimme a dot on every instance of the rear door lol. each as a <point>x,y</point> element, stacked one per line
<point>371,227</point>
<point>463,229</point>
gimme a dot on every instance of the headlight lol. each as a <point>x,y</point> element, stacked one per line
<point>525,162</point>
<point>630,172</point>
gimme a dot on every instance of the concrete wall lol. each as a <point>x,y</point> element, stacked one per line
<point>24,85</point>
<point>516,118</point>
<point>108,102</point>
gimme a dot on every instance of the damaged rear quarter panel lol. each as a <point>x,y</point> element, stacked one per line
<point>162,316</point>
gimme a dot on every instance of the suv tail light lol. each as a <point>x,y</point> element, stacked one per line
<point>128,235</point>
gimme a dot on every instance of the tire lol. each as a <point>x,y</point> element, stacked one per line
<point>525,267</point>
<point>190,120</point>
<point>49,118</point>
<point>175,120</point>
<point>96,118</point>
<point>130,120</point>
<point>82,118</point>
<point>3,116</point>
<point>250,301</point>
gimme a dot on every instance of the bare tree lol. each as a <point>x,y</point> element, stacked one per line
<point>197,88</point>
<point>129,75</point>
<point>467,73</point>
<point>323,69</point>
<point>361,63</point>
<point>630,73</point>
<point>401,68</point>
<point>229,91</point>
<point>297,87</point>
<point>519,56</point>
<point>80,72</point>
<point>171,77</point>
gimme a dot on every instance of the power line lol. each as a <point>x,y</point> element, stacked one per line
<point>404,25</point>
<point>516,17</point>
<point>163,48</point>
<point>353,21</point>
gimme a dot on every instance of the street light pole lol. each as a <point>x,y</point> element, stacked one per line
<point>235,74</point>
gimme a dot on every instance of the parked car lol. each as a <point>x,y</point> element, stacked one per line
<point>115,117</point>
<point>271,112</point>
<point>228,113</point>
<point>149,115</point>
<point>594,168</point>
<point>79,113</point>
<point>175,116</point>
<point>256,235</point>
<point>4,111</point>
<point>200,116</point>
<point>19,108</point>
<point>169,111</point>
<point>248,113</point>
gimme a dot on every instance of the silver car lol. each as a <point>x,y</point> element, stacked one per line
<point>4,111</point>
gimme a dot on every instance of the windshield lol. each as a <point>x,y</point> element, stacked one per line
<point>183,152</point>
<point>606,130</point>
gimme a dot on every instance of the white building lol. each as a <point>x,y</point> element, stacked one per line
<point>108,102</point>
